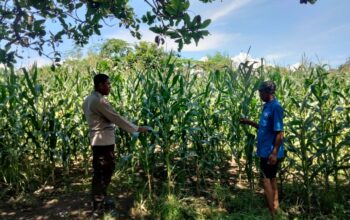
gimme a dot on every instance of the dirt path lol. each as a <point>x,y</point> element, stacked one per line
<point>67,198</point>
<point>67,206</point>
<point>56,202</point>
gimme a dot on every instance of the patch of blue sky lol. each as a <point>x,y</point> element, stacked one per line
<point>280,31</point>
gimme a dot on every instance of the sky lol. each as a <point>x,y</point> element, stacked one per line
<point>281,31</point>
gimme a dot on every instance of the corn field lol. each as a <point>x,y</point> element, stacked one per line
<point>196,130</point>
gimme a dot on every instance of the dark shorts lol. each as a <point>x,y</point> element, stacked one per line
<point>267,170</point>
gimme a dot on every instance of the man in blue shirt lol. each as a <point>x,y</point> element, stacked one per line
<point>270,147</point>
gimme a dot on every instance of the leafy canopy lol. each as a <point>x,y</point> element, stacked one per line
<point>36,23</point>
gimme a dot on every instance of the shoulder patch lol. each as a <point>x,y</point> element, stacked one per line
<point>104,101</point>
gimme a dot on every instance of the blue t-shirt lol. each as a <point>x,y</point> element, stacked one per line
<point>271,121</point>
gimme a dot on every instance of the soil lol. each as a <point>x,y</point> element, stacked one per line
<point>57,202</point>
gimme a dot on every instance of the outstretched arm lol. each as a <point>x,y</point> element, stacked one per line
<point>246,121</point>
<point>107,110</point>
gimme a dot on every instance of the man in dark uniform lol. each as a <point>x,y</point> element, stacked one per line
<point>102,118</point>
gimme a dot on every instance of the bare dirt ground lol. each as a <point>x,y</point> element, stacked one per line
<point>68,206</point>
<point>62,200</point>
<point>56,201</point>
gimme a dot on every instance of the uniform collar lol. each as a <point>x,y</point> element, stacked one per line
<point>97,93</point>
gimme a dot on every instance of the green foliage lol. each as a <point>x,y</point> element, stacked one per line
<point>146,55</point>
<point>38,125</point>
<point>218,61</point>
<point>115,49</point>
<point>25,23</point>
<point>195,118</point>
<point>317,137</point>
<point>172,209</point>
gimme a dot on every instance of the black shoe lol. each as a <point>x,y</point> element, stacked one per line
<point>97,206</point>
<point>97,210</point>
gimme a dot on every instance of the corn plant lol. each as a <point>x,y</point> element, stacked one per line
<point>195,121</point>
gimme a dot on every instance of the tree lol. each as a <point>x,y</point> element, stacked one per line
<point>115,48</point>
<point>25,23</point>
<point>147,55</point>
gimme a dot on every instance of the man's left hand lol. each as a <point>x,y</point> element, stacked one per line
<point>272,159</point>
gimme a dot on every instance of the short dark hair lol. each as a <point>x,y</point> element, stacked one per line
<point>267,86</point>
<point>100,78</point>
